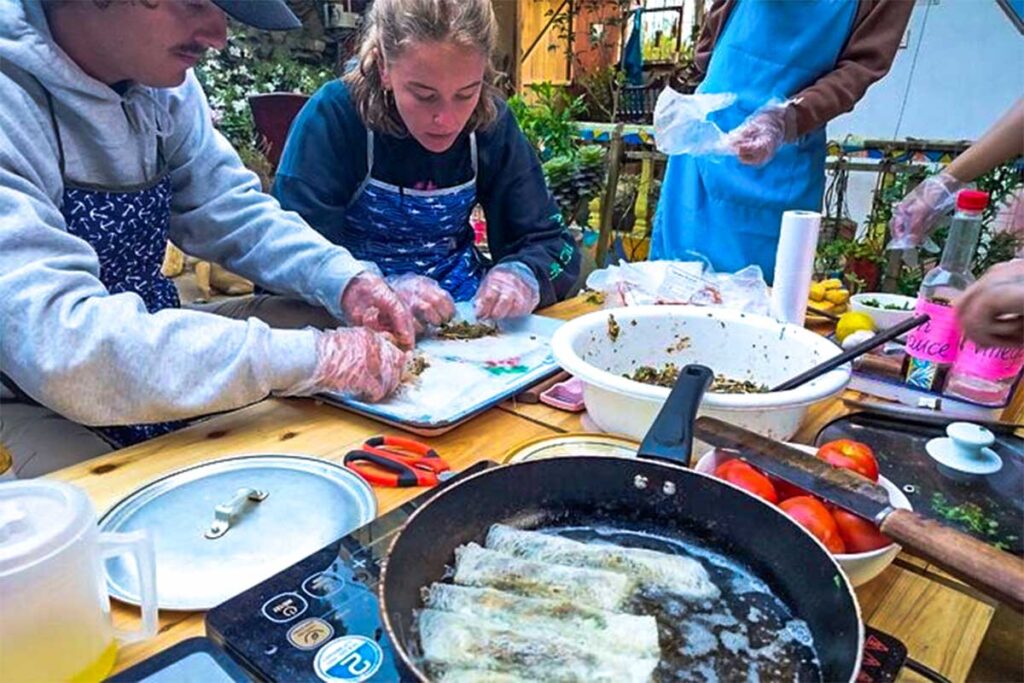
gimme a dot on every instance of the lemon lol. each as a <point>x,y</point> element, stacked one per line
<point>851,322</point>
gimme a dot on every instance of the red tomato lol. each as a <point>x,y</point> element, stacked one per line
<point>851,455</point>
<point>812,515</point>
<point>858,534</point>
<point>746,477</point>
<point>786,490</point>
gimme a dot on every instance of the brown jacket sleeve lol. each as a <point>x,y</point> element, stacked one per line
<point>877,30</point>
<point>709,32</point>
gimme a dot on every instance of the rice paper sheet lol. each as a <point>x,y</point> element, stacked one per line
<point>542,617</point>
<point>676,574</point>
<point>479,676</point>
<point>477,566</point>
<point>453,641</point>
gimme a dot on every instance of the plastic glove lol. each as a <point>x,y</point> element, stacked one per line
<point>428,303</point>
<point>356,362</point>
<point>758,138</point>
<point>368,302</point>
<point>915,216</point>
<point>509,290</point>
<point>991,311</point>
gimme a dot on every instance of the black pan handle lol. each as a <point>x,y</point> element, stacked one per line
<point>671,435</point>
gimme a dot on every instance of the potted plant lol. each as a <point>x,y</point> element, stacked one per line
<point>865,260</point>
<point>831,258</point>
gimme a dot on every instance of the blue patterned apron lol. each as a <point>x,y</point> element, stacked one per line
<point>416,231</point>
<point>128,228</point>
<point>719,207</point>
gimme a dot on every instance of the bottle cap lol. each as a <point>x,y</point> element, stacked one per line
<point>972,200</point>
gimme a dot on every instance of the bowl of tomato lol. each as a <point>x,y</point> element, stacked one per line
<point>859,547</point>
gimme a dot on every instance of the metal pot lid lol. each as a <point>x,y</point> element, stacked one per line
<point>221,527</point>
<point>576,443</point>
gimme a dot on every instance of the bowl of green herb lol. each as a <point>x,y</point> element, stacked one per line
<point>886,310</point>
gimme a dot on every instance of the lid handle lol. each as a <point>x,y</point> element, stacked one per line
<point>225,514</point>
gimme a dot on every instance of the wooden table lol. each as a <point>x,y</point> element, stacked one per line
<point>941,621</point>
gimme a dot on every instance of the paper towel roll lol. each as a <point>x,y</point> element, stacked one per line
<point>794,265</point>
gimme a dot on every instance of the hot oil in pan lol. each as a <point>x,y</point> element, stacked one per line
<point>747,634</point>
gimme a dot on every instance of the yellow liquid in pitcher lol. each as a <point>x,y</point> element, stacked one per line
<point>98,670</point>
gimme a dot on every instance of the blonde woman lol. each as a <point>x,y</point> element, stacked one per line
<point>390,161</point>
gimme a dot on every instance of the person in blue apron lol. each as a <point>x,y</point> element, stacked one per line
<point>793,66</point>
<point>390,161</point>
<point>107,151</point>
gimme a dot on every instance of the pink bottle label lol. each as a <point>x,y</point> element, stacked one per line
<point>990,363</point>
<point>938,340</point>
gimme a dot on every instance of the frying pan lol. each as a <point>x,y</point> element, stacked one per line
<point>654,493</point>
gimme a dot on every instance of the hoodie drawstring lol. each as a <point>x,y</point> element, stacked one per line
<point>145,113</point>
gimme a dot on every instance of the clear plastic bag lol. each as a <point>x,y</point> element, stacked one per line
<point>681,125</point>
<point>681,282</point>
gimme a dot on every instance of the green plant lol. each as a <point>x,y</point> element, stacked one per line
<point>548,119</point>
<point>613,13</point>
<point>229,76</point>
<point>831,257</point>
<point>575,180</point>
<point>602,92</point>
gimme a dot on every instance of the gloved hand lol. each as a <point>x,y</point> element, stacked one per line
<point>991,311</point>
<point>915,216</point>
<point>758,138</point>
<point>368,302</point>
<point>356,362</point>
<point>509,290</point>
<point>428,303</point>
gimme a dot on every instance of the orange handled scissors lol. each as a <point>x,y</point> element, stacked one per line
<point>394,461</point>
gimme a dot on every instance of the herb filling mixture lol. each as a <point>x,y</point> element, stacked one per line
<point>667,375</point>
<point>465,330</point>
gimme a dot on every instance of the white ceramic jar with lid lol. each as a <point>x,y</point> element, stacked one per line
<point>55,617</point>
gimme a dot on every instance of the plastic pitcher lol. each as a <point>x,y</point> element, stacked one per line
<point>54,608</point>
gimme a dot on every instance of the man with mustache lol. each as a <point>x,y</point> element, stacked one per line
<point>107,150</point>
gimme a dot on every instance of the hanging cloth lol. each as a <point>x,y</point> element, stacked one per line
<point>633,53</point>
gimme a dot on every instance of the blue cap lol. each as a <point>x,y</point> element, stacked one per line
<point>269,15</point>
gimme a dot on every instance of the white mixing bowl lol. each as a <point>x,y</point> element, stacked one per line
<point>738,345</point>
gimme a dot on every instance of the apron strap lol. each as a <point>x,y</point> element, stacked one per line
<point>161,162</point>
<point>473,160</point>
<point>473,153</point>
<point>369,170</point>
<point>369,152</point>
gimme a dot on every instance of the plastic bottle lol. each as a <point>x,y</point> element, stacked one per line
<point>933,347</point>
<point>985,375</point>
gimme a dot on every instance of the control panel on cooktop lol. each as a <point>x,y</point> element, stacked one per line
<point>318,620</point>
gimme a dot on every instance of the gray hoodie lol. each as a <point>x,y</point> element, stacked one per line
<point>102,359</point>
